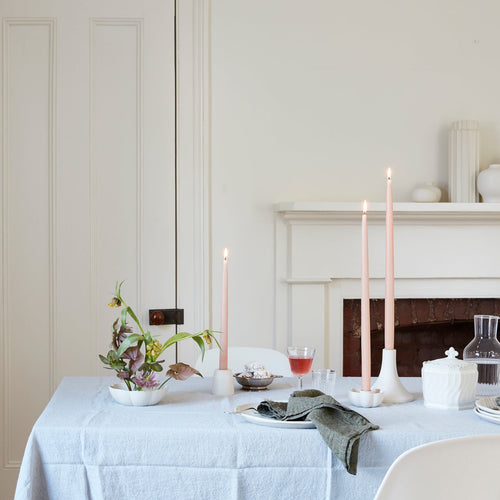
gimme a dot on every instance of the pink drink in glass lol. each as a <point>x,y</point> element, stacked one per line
<point>300,366</point>
<point>301,359</point>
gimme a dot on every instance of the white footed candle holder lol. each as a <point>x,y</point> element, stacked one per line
<point>366,399</point>
<point>388,380</point>
<point>223,383</point>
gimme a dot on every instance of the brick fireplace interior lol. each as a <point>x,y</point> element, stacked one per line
<point>424,329</point>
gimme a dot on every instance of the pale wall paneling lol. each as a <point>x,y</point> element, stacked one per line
<point>158,204</point>
<point>28,231</point>
<point>93,207</point>
<point>193,172</point>
<point>116,165</point>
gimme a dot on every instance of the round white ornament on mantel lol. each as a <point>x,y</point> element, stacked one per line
<point>426,193</point>
<point>488,184</point>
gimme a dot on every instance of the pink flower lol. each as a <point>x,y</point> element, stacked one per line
<point>136,358</point>
<point>181,371</point>
<point>119,334</point>
<point>149,381</point>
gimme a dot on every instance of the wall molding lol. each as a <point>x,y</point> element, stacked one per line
<point>8,461</point>
<point>93,24</point>
<point>202,163</point>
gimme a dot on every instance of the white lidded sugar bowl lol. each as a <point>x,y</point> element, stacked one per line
<point>449,383</point>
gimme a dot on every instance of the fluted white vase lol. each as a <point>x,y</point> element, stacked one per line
<point>463,161</point>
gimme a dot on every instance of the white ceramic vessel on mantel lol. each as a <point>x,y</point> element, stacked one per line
<point>488,184</point>
<point>426,193</point>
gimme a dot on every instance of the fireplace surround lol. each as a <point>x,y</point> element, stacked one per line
<point>424,329</point>
<point>442,251</point>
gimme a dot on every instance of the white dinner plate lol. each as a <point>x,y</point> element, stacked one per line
<point>253,416</point>
<point>488,405</point>
<point>487,416</point>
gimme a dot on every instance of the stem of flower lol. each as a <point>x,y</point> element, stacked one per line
<point>164,382</point>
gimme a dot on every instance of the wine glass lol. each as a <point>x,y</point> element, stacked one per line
<point>301,359</point>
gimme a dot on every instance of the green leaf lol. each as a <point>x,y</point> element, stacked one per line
<point>117,365</point>
<point>201,345</point>
<point>156,367</point>
<point>128,342</point>
<point>118,287</point>
<point>134,317</point>
<point>104,360</point>
<point>124,315</point>
<point>214,338</point>
<point>176,338</point>
<point>197,337</point>
<point>147,337</point>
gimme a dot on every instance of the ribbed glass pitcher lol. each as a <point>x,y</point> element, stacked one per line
<point>484,350</point>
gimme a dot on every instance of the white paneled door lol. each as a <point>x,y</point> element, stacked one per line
<point>88,183</point>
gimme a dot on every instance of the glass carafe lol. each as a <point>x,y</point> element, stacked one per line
<point>484,350</point>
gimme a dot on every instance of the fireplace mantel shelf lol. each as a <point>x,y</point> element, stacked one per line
<point>430,213</point>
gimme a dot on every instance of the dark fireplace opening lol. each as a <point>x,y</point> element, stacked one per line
<point>424,330</point>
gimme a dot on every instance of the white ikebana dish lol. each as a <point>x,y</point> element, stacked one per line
<point>449,383</point>
<point>148,397</point>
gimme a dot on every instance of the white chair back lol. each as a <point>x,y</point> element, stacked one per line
<point>459,469</point>
<point>276,362</point>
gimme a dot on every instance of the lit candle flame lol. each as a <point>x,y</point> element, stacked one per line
<point>389,174</point>
<point>365,207</point>
<point>226,253</point>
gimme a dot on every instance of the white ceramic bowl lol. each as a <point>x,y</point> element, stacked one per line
<point>136,398</point>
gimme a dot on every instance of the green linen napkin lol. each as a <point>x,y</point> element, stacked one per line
<point>339,426</point>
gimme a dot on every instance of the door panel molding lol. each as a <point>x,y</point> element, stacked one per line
<point>17,107</point>
<point>135,138</point>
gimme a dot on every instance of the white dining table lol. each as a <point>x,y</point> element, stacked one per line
<point>87,446</point>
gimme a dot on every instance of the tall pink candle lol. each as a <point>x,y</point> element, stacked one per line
<point>223,337</point>
<point>365,306</point>
<point>389,267</point>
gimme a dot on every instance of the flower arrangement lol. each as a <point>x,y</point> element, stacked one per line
<point>135,356</point>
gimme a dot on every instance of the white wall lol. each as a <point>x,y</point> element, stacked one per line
<point>311,100</point>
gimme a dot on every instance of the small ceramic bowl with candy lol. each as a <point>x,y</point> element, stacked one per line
<point>255,377</point>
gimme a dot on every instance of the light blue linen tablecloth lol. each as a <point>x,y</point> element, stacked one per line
<point>84,445</point>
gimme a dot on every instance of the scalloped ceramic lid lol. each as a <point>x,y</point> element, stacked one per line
<point>449,363</point>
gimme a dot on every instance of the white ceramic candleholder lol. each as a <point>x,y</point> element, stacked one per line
<point>223,383</point>
<point>388,381</point>
<point>366,399</point>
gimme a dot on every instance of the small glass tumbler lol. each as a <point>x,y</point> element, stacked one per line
<point>324,380</point>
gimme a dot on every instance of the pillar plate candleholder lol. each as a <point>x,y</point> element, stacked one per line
<point>388,380</point>
<point>366,399</point>
<point>223,383</point>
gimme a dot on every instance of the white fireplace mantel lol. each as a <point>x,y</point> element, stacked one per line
<point>429,213</point>
<point>442,250</point>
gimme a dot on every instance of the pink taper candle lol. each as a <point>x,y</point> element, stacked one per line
<point>223,337</point>
<point>365,306</point>
<point>389,267</point>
